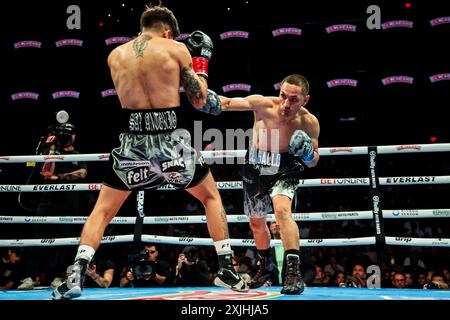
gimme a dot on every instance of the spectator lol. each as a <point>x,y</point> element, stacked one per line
<point>189,271</point>
<point>359,273</point>
<point>11,270</point>
<point>146,270</point>
<point>399,281</point>
<point>421,280</point>
<point>60,141</point>
<point>338,279</point>
<point>332,267</point>
<point>100,273</point>
<point>437,282</point>
<point>409,281</point>
<point>243,268</point>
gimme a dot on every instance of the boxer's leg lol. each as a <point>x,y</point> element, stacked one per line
<point>206,192</point>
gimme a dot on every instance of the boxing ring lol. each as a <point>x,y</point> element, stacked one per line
<point>216,293</point>
<point>377,214</point>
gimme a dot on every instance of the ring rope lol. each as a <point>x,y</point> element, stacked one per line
<point>404,241</point>
<point>362,241</point>
<point>238,185</point>
<point>184,241</point>
<point>331,151</point>
<point>235,218</point>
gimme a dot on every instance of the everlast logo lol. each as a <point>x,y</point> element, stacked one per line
<point>250,241</point>
<point>173,163</point>
<point>184,239</point>
<point>137,175</point>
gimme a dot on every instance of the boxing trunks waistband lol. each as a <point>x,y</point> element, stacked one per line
<point>151,121</point>
<point>268,159</point>
<point>264,168</point>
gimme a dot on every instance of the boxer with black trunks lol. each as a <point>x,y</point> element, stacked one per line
<point>285,141</point>
<point>155,145</point>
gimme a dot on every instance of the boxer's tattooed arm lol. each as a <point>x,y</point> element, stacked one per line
<point>191,84</point>
<point>223,216</point>
<point>139,45</point>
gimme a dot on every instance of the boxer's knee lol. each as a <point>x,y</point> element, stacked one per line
<point>282,213</point>
<point>210,200</point>
<point>257,224</point>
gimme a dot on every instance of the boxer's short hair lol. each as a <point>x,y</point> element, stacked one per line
<point>298,80</point>
<point>156,14</point>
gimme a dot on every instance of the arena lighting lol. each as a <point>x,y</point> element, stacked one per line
<point>62,116</point>
<point>433,139</point>
<point>101,24</point>
<point>408,5</point>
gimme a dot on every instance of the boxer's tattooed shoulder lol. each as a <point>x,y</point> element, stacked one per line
<point>139,45</point>
<point>191,84</point>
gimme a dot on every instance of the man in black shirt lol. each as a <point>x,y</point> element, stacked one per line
<point>57,203</point>
<point>190,271</point>
<point>147,270</point>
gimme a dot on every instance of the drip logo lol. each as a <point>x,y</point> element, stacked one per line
<point>318,241</point>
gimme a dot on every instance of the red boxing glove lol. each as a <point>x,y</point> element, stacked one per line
<point>200,46</point>
<point>200,66</point>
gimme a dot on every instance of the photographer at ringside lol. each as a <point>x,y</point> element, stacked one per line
<point>146,270</point>
<point>190,271</point>
<point>59,141</point>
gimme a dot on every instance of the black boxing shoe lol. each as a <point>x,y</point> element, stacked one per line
<point>228,278</point>
<point>267,271</point>
<point>293,283</point>
<point>72,287</point>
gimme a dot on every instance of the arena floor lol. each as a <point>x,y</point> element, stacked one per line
<point>214,293</point>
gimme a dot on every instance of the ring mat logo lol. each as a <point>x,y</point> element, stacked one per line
<point>213,295</point>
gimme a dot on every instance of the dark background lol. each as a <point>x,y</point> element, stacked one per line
<point>393,114</point>
<point>384,115</point>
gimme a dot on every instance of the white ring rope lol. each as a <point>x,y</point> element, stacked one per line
<point>363,241</point>
<point>217,154</point>
<point>185,241</point>
<point>235,218</point>
<point>238,185</point>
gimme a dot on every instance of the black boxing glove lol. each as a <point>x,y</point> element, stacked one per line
<point>301,145</point>
<point>213,105</point>
<point>200,46</point>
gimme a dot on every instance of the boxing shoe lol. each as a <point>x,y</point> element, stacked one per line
<point>293,283</point>
<point>228,278</point>
<point>72,287</point>
<point>267,271</point>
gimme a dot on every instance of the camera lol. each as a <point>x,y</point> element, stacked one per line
<point>142,267</point>
<point>352,282</point>
<point>436,285</point>
<point>191,254</point>
<point>63,134</point>
<point>141,256</point>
